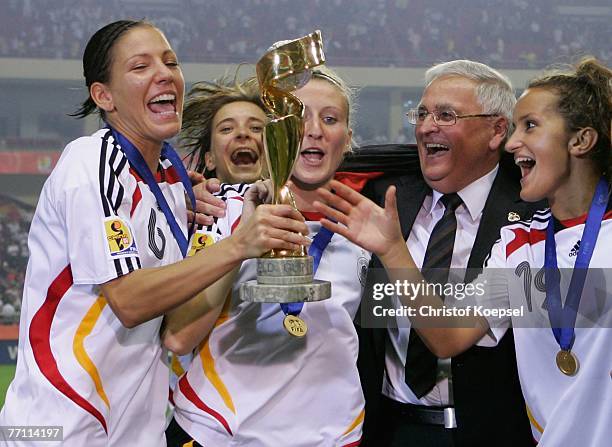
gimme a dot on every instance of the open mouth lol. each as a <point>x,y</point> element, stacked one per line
<point>244,157</point>
<point>435,148</point>
<point>312,154</point>
<point>525,163</point>
<point>164,104</point>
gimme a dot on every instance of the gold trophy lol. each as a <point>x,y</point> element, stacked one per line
<point>286,276</point>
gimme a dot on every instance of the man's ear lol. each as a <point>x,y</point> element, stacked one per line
<point>349,138</point>
<point>501,130</point>
<point>209,161</point>
<point>102,96</point>
<point>582,141</point>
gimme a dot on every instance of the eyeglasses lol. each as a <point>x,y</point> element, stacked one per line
<point>449,117</point>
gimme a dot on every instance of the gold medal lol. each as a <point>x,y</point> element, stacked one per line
<point>567,362</point>
<point>295,325</point>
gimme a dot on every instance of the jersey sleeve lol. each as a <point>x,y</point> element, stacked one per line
<point>494,300</point>
<point>233,196</point>
<point>487,296</point>
<point>99,232</point>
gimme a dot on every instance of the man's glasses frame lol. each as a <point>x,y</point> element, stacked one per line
<point>447,117</point>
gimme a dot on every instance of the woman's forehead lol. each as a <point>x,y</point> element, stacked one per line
<point>323,92</point>
<point>141,40</point>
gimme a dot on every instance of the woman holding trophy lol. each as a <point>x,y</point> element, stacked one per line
<point>254,381</point>
<point>107,243</point>
<point>223,122</point>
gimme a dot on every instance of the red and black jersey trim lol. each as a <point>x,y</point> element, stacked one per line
<point>526,234</point>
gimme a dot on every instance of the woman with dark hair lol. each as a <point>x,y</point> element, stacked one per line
<point>107,244</point>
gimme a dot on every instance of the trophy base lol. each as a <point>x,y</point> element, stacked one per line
<point>285,280</point>
<point>317,290</point>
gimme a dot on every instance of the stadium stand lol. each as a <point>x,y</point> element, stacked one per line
<point>15,218</point>
<point>504,33</point>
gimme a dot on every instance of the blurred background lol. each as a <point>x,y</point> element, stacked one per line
<point>381,47</point>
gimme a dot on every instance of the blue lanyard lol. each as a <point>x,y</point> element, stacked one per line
<point>138,163</point>
<point>316,249</point>
<point>563,318</point>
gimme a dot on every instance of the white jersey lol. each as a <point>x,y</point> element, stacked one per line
<point>252,384</point>
<point>563,410</point>
<point>78,367</point>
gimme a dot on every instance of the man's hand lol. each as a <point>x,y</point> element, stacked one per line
<point>360,220</point>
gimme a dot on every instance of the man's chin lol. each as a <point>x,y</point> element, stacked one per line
<point>434,176</point>
<point>442,183</point>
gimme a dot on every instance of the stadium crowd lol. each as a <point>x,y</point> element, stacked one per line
<point>15,218</point>
<point>504,33</point>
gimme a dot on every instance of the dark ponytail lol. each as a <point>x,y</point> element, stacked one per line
<point>585,100</point>
<point>97,59</point>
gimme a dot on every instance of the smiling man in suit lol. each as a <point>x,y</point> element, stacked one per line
<point>450,216</point>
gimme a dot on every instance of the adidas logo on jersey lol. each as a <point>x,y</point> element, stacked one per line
<point>574,251</point>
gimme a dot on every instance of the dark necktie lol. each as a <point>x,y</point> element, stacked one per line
<point>421,364</point>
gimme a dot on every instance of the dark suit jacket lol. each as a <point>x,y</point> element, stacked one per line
<point>488,402</point>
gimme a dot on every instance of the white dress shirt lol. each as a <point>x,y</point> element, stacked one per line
<point>468,215</point>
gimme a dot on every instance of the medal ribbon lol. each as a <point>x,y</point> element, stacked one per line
<point>316,249</point>
<point>563,318</point>
<point>140,166</point>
